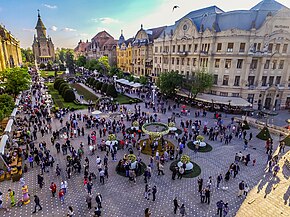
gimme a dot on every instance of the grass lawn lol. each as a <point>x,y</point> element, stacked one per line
<point>59,101</point>
<point>123,99</point>
<point>83,91</point>
<point>46,74</point>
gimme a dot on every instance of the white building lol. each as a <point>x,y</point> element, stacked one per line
<point>246,50</point>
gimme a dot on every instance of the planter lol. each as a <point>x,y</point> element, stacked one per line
<point>189,165</point>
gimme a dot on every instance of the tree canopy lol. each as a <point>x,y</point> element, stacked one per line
<point>6,105</point>
<point>15,80</point>
<point>70,61</point>
<point>104,66</point>
<point>81,61</point>
<point>168,82</point>
<point>27,55</point>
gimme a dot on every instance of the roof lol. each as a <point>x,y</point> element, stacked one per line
<point>39,24</point>
<point>103,38</point>
<point>82,46</point>
<point>215,18</point>
<point>152,33</point>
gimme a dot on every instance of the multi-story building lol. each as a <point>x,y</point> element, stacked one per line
<point>10,54</point>
<point>124,54</point>
<point>142,48</point>
<point>43,48</point>
<point>102,44</point>
<point>82,48</point>
<point>247,51</point>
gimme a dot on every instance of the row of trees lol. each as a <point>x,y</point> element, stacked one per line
<point>64,90</point>
<point>170,82</point>
<point>105,88</point>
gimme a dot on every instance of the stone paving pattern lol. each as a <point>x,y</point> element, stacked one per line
<point>124,199</point>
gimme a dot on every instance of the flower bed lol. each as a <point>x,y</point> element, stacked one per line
<point>206,148</point>
<point>190,173</point>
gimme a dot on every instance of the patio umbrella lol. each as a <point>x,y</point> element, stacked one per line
<point>96,112</point>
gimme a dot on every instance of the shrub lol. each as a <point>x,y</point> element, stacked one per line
<point>64,89</point>
<point>200,138</point>
<point>99,85</point>
<point>57,83</point>
<point>104,88</point>
<point>111,91</point>
<point>69,95</point>
<point>91,81</point>
<point>62,86</point>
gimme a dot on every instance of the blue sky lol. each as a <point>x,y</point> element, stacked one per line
<point>68,21</point>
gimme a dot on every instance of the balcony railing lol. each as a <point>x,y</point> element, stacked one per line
<point>182,53</point>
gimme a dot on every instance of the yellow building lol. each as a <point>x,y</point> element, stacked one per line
<point>124,54</point>
<point>10,54</point>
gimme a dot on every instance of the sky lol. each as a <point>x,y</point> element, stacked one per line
<point>68,21</point>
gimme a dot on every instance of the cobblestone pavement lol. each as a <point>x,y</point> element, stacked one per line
<point>124,199</point>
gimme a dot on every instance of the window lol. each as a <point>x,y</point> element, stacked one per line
<point>160,49</point>
<point>270,48</point>
<point>184,48</point>
<point>178,48</point>
<point>173,49</point>
<point>254,64</point>
<point>259,47</point>
<point>239,64</point>
<point>226,80</point>
<point>267,64</point>
<point>172,60</point>
<point>264,81</point>
<point>251,98</point>
<point>156,49</point>
<point>235,94</point>
<point>177,61</point>
<point>251,80</point>
<point>285,47</point>
<point>182,61</point>
<point>274,64</point>
<point>188,61</point>
<point>228,63</point>
<point>219,47</point>
<point>271,80</point>
<point>195,48</point>
<point>237,81</point>
<point>278,80</point>
<point>230,47</point>
<point>217,63</point>
<point>213,92</point>
<point>242,47</point>
<point>277,48</point>
<point>281,64</point>
<point>189,48</point>
<point>155,60</point>
<point>194,61</point>
<point>224,93</point>
<point>215,79</point>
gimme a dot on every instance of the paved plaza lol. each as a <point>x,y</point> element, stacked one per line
<point>122,198</point>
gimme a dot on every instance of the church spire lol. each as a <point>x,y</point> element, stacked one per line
<point>38,13</point>
<point>40,28</point>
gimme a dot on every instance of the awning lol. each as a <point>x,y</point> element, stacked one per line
<point>128,83</point>
<point>9,126</point>
<point>3,143</point>
<point>226,100</point>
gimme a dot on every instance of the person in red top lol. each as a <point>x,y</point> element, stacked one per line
<point>53,188</point>
<point>61,195</point>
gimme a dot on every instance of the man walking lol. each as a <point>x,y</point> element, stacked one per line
<point>99,200</point>
<point>37,203</point>
<point>218,181</point>
<point>175,203</point>
<point>154,190</point>
<point>200,183</point>
<point>220,205</point>
<point>241,188</point>
<point>53,188</point>
<point>207,195</point>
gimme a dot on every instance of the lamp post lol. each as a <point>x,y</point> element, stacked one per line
<point>153,93</point>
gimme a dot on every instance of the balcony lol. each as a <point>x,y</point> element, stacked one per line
<point>252,87</point>
<point>182,53</point>
<point>165,53</point>
<point>204,53</point>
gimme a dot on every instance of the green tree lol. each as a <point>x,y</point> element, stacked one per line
<point>111,91</point>
<point>6,105</point>
<point>62,86</point>
<point>42,66</point>
<point>104,66</point>
<point>15,80</point>
<point>130,78</point>
<point>70,61</point>
<point>104,88</point>
<point>200,81</point>
<point>99,85</point>
<point>81,61</point>
<point>168,82</point>
<point>27,55</point>
<point>143,80</point>
<point>57,83</point>
<point>69,95</point>
<point>92,64</point>
<point>49,66</point>
<point>264,134</point>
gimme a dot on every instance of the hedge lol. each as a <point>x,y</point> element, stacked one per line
<point>57,83</point>
<point>99,85</point>
<point>69,95</point>
<point>111,91</point>
<point>104,88</point>
<point>62,86</point>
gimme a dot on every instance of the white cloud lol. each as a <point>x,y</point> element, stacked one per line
<point>50,6</point>
<point>66,29</point>
<point>28,30</point>
<point>53,28</point>
<point>106,20</point>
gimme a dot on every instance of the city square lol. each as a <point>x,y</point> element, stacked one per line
<point>189,119</point>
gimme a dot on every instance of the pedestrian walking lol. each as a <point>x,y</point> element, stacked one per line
<point>218,181</point>
<point>182,210</point>
<point>98,212</point>
<point>102,176</point>
<point>246,190</point>
<point>174,173</point>
<point>40,180</point>
<point>147,192</point>
<point>200,183</point>
<point>226,209</point>
<point>11,194</point>
<point>241,188</point>
<point>154,191</point>
<point>99,200</point>
<point>180,173</point>
<point>220,206</point>
<point>53,189</point>
<point>70,212</point>
<point>61,195</point>
<point>202,195</point>
<point>37,203</point>
<point>89,187</point>
<point>175,204</point>
<point>207,195</point>
<point>147,212</point>
<point>89,200</point>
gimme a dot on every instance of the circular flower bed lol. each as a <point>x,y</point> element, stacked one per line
<point>112,137</point>
<point>196,170</point>
<point>147,149</point>
<point>185,159</point>
<point>206,148</point>
<point>120,169</point>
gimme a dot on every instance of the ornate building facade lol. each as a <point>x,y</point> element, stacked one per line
<point>102,44</point>
<point>124,54</point>
<point>247,51</point>
<point>142,50</point>
<point>10,53</point>
<point>42,47</point>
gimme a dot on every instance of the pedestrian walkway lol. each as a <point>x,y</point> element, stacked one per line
<point>91,90</point>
